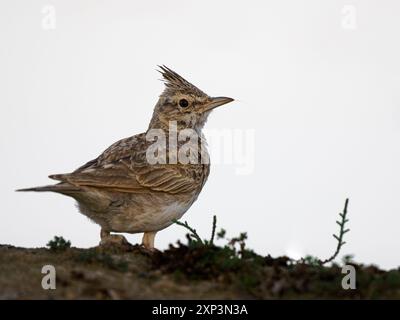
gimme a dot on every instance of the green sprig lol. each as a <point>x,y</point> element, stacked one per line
<point>342,232</point>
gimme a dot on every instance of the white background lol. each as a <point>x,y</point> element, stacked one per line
<point>323,99</point>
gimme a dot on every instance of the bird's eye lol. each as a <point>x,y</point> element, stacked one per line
<point>183,103</point>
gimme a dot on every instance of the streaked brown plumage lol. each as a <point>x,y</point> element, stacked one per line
<point>122,192</point>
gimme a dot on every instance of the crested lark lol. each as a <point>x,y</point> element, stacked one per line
<point>122,191</point>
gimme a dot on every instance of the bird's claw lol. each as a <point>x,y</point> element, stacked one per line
<point>114,240</point>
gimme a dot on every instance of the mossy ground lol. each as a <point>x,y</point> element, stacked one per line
<point>181,272</point>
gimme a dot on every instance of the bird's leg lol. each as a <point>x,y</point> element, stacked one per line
<point>148,240</point>
<point>111,239</point>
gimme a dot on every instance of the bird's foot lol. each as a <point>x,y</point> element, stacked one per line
<point>146,250</point>
<point>114,240</point>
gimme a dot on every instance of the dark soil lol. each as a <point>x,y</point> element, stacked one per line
<point>181,272</point>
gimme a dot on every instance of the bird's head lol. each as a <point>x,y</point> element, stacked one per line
<point>184,103</point>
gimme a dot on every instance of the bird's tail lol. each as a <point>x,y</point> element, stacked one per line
<point>38,189</point>
<point>60,188</point>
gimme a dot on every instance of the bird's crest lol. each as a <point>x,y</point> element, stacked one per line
<point>176,83</point>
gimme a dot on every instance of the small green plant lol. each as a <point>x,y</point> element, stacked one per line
<point>194,238</point>
<point>240,241</point>
<point>311,260</point>
<point>58,244</point>
<point>342,231</point>
<point>348,259</point>
<point>315,261</point>
<point>221,234</point>
<point>236,246</point>
<point>213,230</point>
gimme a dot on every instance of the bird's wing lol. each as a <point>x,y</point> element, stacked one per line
<point>124,168</point>
<point>122,178</point>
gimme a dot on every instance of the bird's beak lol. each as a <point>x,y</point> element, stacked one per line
<point>216,102</point>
